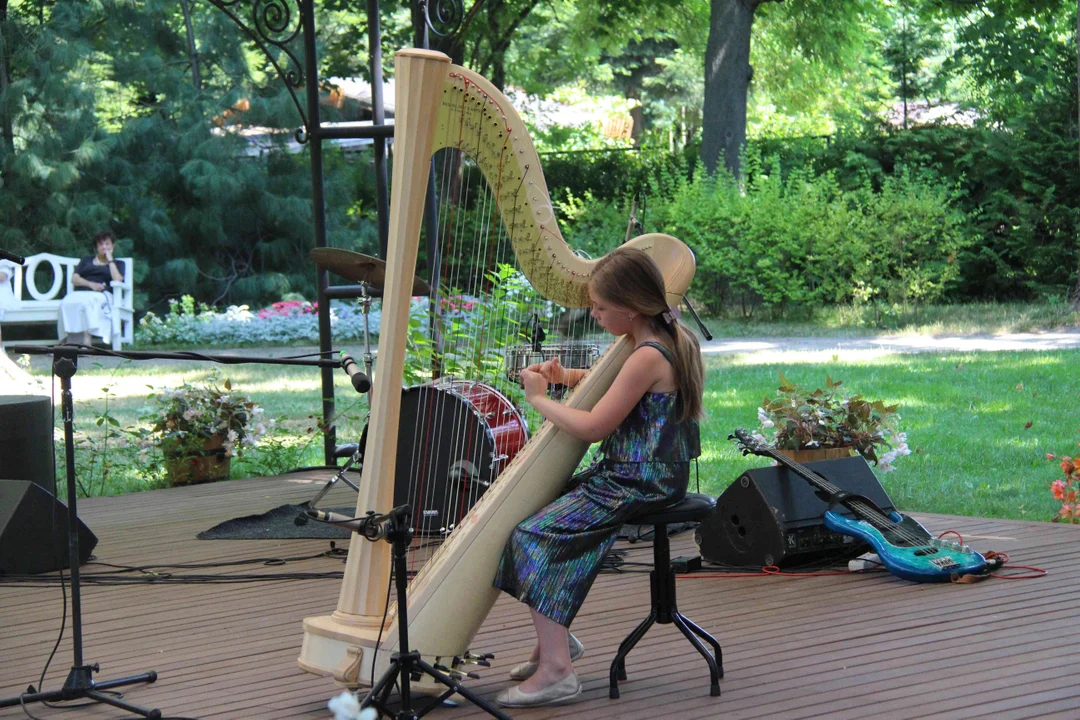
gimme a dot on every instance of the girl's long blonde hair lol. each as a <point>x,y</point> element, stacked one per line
<point>629,278</point>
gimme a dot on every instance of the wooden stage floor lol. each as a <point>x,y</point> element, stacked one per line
<point>845,646</point>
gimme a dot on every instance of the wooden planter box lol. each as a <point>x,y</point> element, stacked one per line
<point>207,466</point>
<point>812,454</point>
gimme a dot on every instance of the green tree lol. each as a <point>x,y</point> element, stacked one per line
<point>50,129</point>
<point>829,35</point>
<point>908,50</point>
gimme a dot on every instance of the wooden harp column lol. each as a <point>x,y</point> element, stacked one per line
<point>441,105</point>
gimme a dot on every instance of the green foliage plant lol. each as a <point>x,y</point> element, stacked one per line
<point>910,236</point>
<point>801,419</point>
<point>103,449</point>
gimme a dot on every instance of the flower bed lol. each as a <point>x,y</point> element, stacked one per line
<point>285,322</point>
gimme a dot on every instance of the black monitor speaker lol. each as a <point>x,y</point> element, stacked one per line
<point>771,516</point>
<point>26,448</point>
<point>33,530</point>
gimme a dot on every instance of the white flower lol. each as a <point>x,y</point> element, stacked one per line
<point>885,462</point>
<point>764,419</point>
<point>813,443</point>
<point>190,414</point>
<point>232,436</point>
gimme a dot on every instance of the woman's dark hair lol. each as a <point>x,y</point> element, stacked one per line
<point>103,235</point>
<point>629,278</point>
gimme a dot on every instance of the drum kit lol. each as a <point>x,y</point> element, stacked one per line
<point>477,430</point>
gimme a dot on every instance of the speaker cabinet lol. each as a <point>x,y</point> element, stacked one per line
<point>771,516</point>
<point>26,452</point>
<point>33,530</point>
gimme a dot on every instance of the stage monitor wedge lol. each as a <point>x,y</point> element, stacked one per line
<point>33,531</point>
<point>771,516</point>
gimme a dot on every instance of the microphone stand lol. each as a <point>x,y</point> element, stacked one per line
<point>407,664</point>
<point>80,682</point>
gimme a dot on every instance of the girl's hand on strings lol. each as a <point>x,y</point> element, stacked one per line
<point>551,370</point>
<point>535,384</point>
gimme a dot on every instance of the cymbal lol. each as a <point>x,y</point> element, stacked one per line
<point>360,268</point>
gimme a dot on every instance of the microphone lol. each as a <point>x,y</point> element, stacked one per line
<point>17,259</point>
<point>370,526</point>
<point>360,381</point>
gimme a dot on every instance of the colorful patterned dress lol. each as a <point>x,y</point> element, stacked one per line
<point>553,557</point>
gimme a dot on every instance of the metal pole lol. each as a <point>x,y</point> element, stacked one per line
<point>318,211</point>
<point>382,195</point>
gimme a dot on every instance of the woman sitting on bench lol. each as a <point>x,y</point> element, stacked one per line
<point>88,310</point>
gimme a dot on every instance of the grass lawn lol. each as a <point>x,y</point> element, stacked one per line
<point>857,321</point>
<point>979,424</point>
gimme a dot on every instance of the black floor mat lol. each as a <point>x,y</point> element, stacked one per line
<point>277,524</point>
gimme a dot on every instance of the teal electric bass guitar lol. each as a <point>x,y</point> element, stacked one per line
<point>905,547</point>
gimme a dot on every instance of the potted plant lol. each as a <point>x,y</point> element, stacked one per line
<point>824,423</point>
<point>199,428</point>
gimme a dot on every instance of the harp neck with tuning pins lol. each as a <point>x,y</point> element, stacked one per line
<point>440,105</point>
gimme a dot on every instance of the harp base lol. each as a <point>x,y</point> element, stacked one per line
<point>343,647</point>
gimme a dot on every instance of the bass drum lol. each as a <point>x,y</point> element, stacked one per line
<point>455,437</point>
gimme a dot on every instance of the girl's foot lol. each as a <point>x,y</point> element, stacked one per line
<point>525,670</point>
<point>565,690</point>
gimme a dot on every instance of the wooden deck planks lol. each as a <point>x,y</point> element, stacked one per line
<point>794,647</point>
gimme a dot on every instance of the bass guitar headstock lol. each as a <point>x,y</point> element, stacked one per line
<point>749,445</point>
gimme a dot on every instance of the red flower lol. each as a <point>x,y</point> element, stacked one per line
<point>1057,489</point>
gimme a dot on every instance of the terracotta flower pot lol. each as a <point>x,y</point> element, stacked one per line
<point>207,465</point>
<point>811,454</point>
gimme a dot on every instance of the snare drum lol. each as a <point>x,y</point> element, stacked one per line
<point>571,355</point>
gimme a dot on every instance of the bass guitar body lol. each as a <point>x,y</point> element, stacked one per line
<point>908,550</point>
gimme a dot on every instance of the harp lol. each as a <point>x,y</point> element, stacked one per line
<point>440,105</point>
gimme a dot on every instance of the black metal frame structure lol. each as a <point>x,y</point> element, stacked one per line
<point>273,25</point>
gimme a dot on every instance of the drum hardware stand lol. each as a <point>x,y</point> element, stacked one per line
<point>537,334</point>
<point>80,684</point>
<point>357,455</point>
<point>365,307</point>
<point>405,666</point>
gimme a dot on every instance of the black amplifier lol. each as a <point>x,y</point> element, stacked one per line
<point>771,516</point>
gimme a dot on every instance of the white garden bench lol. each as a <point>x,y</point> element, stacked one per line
<point>35,306</point>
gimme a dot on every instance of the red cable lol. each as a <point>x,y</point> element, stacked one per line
<point>768,570</point>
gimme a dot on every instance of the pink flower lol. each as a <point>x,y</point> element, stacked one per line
<point>1057,488</point>
<point>1066,511</point>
